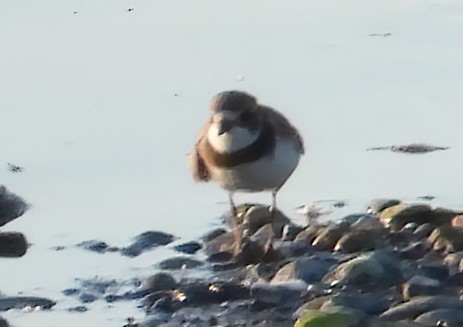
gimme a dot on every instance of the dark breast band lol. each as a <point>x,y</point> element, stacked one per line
<point>261,147</point>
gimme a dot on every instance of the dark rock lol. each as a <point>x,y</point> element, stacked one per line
<point>290,231</point>
<point>207,293</point>
<point>369,303</point>
<point>258,216</point>
<point>309,269</point>
<point>417,306</point>
<point>94,246</point>
<point>250,253</point>
<point>327,239</point>
<point>367,222</point>
<point>439,272</point>
<point>159,282</point>
<point>419,214</point>
<point>13,244</point>
<point>78,309</point>
<point>414,148</point>
<point>285,296</point>
<point>21,302</point>
<point>150,299</point>
<point>225,242</point>
<point>146,241</point>
<point>452,318</point>
<point>447,238</point>
<point>360,240</point>
<point>87,297</point>
<point>423,231</point>
<point>71,291</point>
<point>420,285</point>
<point>213,234</point>
<point>4,323</point>
<point>414,251</point>
<point>292,249</point>
<point>179,263</point>
<point>310,233</point>
<point>189,247</point>
<point>370,270</point>
<point>12,206</point>
<point>220,257</point>
<point>456,279</point>
<point>377,205</point>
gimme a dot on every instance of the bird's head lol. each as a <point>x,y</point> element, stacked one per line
<point>234,108</point>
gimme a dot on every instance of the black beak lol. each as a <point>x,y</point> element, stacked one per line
<point>224,126</point>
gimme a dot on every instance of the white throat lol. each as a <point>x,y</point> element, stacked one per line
<point>235,139</point>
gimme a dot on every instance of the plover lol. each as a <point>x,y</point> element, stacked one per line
<point>245,146</point>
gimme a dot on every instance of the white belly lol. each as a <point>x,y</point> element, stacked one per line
<point>268,173</point>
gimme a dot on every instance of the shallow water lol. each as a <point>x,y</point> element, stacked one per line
<point>101,108</point>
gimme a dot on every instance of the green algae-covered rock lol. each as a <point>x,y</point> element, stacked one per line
<point>315,318</point>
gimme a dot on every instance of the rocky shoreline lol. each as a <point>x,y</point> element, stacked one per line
<point>397,264</point>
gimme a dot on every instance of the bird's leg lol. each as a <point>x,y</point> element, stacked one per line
<point>232,205</point>
<point>273,207</point>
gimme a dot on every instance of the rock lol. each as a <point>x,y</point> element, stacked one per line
<point>79,309</point>
<point>452,318</point>
<point>370,270</point>
<point>13,244</point>
<point>310,233</point>
<point>396,217</point>
<point>87,297</point>
<point>94,246</point>
<point>377,205</point>
<point>364,302</point>
<point>179,263</point>
<point>257,216</point>
<point>309,269</point>
<point>419,305</point>
<point>189,247</point>
<point>367,222</point>
<point>316,318</point>
<point>417,213</point>
<point>439,272</point>
<point>358,240</point>
<point>420,285</point>
<point>12,206</point>
<point>21,302</point>
<point>388,213</point>
<point>225,242</point>
<point>283,296</point>
<point>453,262</point>
<point>250,252</point>
<point>423,231</point>
<point>159,282</point>
<point>146,241</point>
<point>3,323</point>
<point>414,251</point>
<point>457,221</point>
<point>447,238</point>
<point>367,303</point>
<point>290,231</point>
<point>328,238</point>
<point>213,234</point>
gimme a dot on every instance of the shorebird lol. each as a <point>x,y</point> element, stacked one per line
<point>245,146</point>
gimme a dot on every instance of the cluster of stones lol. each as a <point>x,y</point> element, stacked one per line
<point>397,264</point>
<point>13,245</point>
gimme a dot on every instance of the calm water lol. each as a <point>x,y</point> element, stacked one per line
<point>101,107</point>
